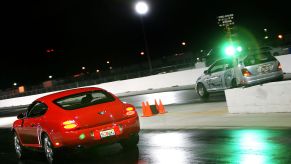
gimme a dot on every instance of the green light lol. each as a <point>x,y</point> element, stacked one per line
<point>239,49</point>
<point>82,136</point>
<point>229,51</point>
<point>252,140</point>
<point>254,146</point>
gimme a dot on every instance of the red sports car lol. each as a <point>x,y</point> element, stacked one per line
<point>74,118</point>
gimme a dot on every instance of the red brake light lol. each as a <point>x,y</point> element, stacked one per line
<point>245,72</point>
<point>130,111</point>
<point>70,124</point>
<point>279,66</point>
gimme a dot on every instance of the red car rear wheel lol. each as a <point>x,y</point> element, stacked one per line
<point>48,149</point>
<point>131,142</point>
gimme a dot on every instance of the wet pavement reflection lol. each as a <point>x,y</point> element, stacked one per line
<point>217,146</point>
<point>260,146</point>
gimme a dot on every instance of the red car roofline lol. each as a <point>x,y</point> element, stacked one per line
<point>61,94</point>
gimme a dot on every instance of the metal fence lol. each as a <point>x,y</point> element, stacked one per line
<point>130,72</point>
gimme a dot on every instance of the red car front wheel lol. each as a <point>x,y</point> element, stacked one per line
<point>21,152</point>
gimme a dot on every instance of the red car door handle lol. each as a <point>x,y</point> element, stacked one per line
<point>32,125</point>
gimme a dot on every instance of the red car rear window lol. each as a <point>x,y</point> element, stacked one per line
<point>84,99</point>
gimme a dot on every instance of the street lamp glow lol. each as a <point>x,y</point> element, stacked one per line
<point>141,53</point>
<point>97,70</point>
<point>141,8</point>
<point>83,68</point>
<point>107,62</point>
<point>183,43</point>
<point>50,76</point>
<point>14,84</point>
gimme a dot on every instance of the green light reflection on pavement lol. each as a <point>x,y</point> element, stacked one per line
<point>254,146</point>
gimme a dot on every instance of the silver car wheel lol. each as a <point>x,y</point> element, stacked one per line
<point>48,150</point>
<point>17,146</point>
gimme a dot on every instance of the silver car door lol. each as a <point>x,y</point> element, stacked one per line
<point>216,76</point>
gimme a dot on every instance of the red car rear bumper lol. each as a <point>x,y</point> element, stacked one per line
<point>86,137</point>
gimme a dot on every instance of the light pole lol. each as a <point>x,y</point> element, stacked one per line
<point>142,8</point>
<point>227,21</point>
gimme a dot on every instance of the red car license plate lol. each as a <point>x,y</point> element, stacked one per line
<point>107,133</point>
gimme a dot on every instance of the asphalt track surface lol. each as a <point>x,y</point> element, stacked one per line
<point>261,146</point>
<point>240,145</point>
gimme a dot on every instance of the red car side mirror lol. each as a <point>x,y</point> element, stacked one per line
<point>21,116</point>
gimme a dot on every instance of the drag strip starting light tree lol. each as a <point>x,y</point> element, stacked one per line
<point>230,48</point>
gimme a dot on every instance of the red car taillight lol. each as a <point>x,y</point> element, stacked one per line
<point>70,124</point>
<point>245,72</point>
<point>130,111</point>
<point>279,66</point>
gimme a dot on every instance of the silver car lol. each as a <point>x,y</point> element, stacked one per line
<point>242,71</point>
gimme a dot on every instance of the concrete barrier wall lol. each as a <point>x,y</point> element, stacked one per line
<point>266,98</point>
<point>186,77</point>
<point>285,61</point>
<point>181,78</point>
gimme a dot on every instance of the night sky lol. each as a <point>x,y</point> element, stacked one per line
<point>88,33</point>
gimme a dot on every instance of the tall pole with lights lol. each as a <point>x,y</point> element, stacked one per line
<point>227,22</point>
<point>142,8</point>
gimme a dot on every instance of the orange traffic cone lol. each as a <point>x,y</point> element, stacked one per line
<point>143,108</point>
<point>161,108</point>
<point>147,112</point>
<point>157,106</point>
